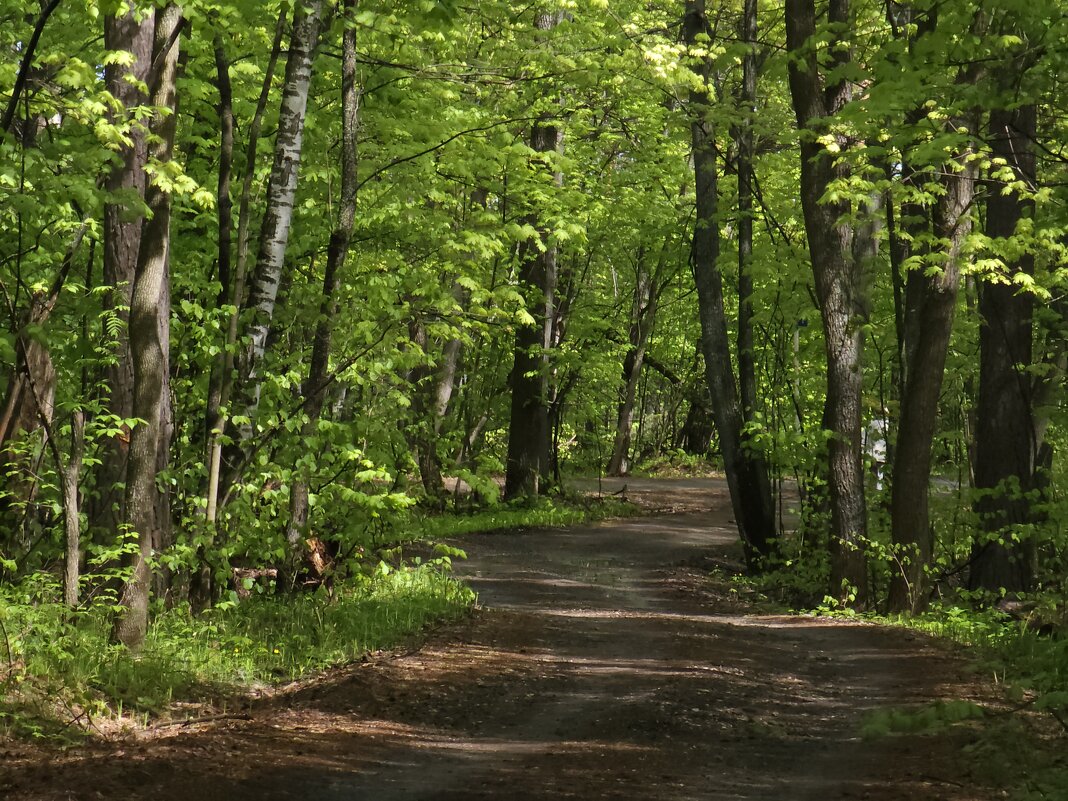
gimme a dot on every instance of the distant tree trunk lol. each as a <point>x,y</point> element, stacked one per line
<point>643,318</point>
<point>933,291</point>
<point>747,472</point>
<point>527,471</point>
<point>450,364</point>
<point>123,215</point>
<point>746,360</point>
<point>258,308</point>
<point>698,428</point>
<point>422,432</point>
<point>529,434</point>
<point>31,388</point>
<point>147,308</point>
<point>314,389</point>
<point>28,407</point>
<point>1006,446</point>
<point>432,391</point>
<point>839,292</point>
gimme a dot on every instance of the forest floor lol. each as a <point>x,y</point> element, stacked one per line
<point>602,664</point>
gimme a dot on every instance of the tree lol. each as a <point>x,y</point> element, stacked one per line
<point>258,308</point>
<point>132,33</point>
<point>747,473</point>
<point>1006,445</point>
<point>648,285</point>
<point>930,299</point>
<point>838,280</point>
<point>529,434</point>
<point>314,387</point>
<point>148,305</point>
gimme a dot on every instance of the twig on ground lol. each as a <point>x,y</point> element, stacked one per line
<point>205,719</point>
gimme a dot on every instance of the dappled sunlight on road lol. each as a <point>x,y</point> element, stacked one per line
<point>600,666</point>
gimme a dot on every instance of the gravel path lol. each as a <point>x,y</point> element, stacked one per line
<point>603,665</point>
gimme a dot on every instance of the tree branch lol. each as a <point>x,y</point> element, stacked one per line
<point>24,66</point>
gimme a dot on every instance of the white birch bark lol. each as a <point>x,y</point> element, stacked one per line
<point>259,307</point>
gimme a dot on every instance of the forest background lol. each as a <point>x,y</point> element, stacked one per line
<point>277,276</point>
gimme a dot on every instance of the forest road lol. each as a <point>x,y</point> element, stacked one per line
<point>603,665</point>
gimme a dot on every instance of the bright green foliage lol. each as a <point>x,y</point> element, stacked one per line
<point>451,197</point>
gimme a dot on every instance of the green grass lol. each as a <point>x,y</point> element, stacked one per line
<point>541,513</point>
<point>1008,650</point>
<point>1032,668</point>
<point>679,464</point>
<point>60,672</point>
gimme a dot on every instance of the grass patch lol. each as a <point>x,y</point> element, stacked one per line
<point>1021,746</point>
<point>567,510</point>
<point>679,464</point>
<point>59,673</point>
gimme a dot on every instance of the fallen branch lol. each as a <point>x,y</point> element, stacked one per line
<point>205,719</point>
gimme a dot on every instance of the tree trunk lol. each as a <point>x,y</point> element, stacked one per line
<point>421,432</point>
<point>746,361</point>
<point>147,308</point>
<point>258,309</point>
<point>528,466</point>
<point>1006,445</point>
<point>123,216</point>
<point>747,472</point>
<point>641,327</point>
<point>224,205</point>
<point>31,390</point>
<point>314,389</point>
<point>839,294</point>
<point>927,343</point>
<point>71,517</point>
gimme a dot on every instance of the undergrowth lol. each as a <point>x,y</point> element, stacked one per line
<point>679,464</point>
<point>539,513</point>
<point>61,674</point>
<point>1017,742</point>
<point>1013,747</point>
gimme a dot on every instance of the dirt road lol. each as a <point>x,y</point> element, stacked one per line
<point>601,667</point>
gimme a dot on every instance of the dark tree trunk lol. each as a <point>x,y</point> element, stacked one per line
<point>643,317</point>
<point>747,472</point>
<point>838,291</point>
<point>933,295</point>
<point>423,429</point>
<point>122,236</point>
<point>746,360</point>
<point>529,445</point>
<point>148,307</point>
<point>1006,445</point>
<point>528,467</point>
<point>698,429</point>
